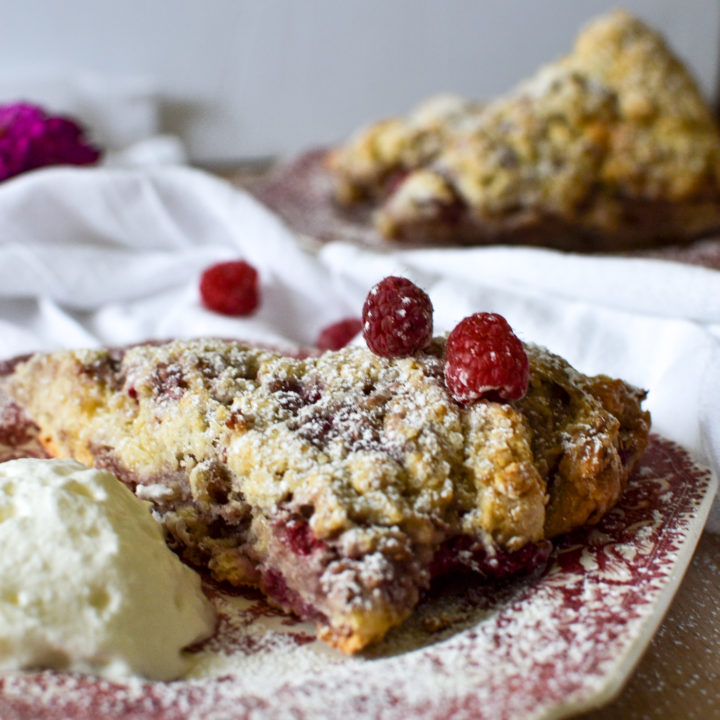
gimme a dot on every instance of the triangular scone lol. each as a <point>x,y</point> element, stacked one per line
<point>611,147</point>
<point>339,484</point>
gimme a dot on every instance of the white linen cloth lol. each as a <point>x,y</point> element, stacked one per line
<point>95,256</point>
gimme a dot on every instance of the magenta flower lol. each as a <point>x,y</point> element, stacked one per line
<point>30,138</point>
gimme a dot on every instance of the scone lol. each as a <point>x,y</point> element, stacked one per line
<point>339,484</point>
<point>613,147</point>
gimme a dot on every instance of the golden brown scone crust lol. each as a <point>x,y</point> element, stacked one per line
<point>572,430</point>
<point>584,442</point>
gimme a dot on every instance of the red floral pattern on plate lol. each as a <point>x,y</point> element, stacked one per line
<point>560,641</point>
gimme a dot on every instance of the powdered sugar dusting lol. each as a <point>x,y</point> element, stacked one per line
<point>532,648</point>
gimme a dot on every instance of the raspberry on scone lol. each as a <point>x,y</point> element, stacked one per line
<point>485,358</point>
<point>397,318</point>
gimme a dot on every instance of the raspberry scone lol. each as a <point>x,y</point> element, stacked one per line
<point>340,484</point>
<point>611,147</point>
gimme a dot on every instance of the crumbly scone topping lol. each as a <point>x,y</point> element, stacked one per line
<point>365,440</point>
<point>618,119</point>
<point>341,484</point>
<point>378,154</point>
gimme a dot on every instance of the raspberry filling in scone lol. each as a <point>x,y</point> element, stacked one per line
<point>342,484</point>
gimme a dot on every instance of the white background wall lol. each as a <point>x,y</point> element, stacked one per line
<point>247,78</point>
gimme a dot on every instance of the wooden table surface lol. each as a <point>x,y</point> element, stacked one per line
<point>679,674</point>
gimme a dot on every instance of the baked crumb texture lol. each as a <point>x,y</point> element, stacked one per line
<point>339,484</point>
<point>611,147</point>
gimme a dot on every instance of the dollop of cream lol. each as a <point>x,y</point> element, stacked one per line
<point>87,582</point>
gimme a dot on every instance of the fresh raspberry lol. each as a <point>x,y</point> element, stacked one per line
<point>230,288</point>
<point>339,334</point>
<point>397,318</point>
<point>483,357</point>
